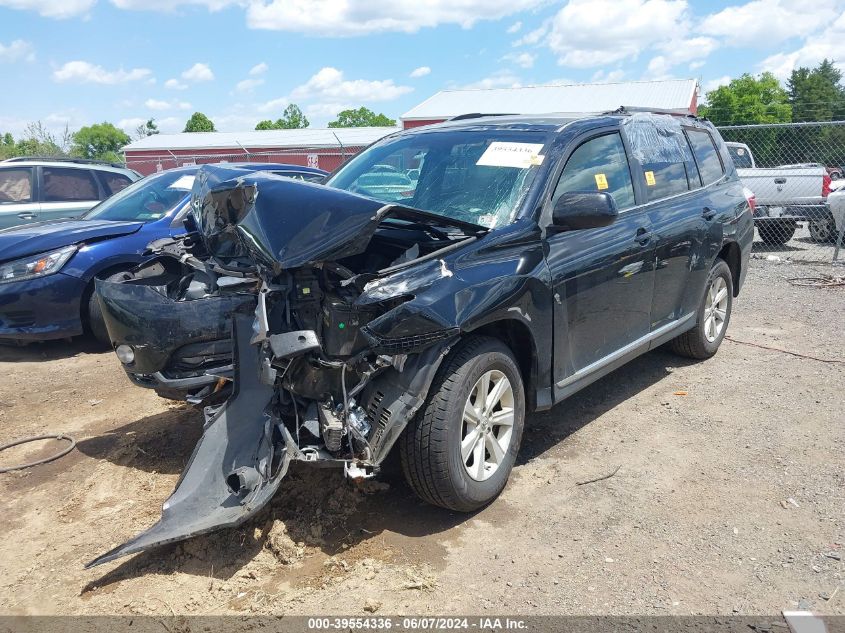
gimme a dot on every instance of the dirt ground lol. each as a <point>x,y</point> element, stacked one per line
<point>729,497</point>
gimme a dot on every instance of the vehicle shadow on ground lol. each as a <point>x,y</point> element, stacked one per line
<point>50,350</point>
<point>319,509</point>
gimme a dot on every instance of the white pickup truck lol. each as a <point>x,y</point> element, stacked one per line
<point>786,195</point>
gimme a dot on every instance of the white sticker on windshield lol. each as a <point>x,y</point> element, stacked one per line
<point>520,155</point>
<point>185,183</point>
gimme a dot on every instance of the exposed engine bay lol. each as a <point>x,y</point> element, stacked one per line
<point>330,359</point>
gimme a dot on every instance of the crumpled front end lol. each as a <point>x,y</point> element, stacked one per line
<point>330,362</point>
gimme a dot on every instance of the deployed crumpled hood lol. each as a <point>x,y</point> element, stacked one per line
<point>39,237</point>
<point>281,223</point>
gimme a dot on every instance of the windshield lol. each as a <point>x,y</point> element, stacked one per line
<point>742,159</point>
<point>478,176</point>
<point>147,200</point>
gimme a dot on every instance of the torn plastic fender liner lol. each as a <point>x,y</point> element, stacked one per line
<point>236,467</point>
<point>397,395</point>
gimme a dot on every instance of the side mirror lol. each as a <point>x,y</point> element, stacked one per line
<point>576,210</point>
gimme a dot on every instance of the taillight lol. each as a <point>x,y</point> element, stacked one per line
<point>825,186</point>
<point>751,198</point>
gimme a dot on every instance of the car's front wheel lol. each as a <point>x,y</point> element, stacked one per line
<point>460,448</point>
<point>823,229</point>
<point>776,233</point>
<point>714,315</point>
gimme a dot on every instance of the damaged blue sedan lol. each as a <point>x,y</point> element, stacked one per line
<point>529,258</point>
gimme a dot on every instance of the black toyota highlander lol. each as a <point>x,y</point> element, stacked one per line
<point>532,256</point>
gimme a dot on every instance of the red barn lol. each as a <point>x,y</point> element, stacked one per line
<point>676,95</point>
<point>314,147</point>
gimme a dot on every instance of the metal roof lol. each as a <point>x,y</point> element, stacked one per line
<point>674,94</point>
<point>256,139</point>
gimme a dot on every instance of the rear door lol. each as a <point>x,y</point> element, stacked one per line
<point>602,278</point>
<point>18,200</point>
<point>666,173</point>
<point>67,192</point>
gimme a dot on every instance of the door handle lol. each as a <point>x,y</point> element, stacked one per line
<point>708,214</point>
<point>643,236</point>
<point>780,181</point>
<point>26,215</point>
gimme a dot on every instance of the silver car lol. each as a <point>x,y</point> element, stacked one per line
<point>33,190</point>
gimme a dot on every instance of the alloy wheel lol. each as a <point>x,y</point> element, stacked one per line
<point>715,309</point>
<point>487,425</point>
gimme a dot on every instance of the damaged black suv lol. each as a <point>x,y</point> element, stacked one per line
<point>529,258</point>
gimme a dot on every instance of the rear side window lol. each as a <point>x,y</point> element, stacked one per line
<point>15,185</point>
<point>599,164</point>
<point>706,156</point>
<point>68,185</point>
<point>113,183</point>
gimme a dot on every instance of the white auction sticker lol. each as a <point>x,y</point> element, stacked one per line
<point>183,182</point>
<point>502,154</point>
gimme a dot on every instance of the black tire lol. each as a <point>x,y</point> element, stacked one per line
<point>430,446</point>
<point>823,230</point>
<point>694,343</point>
<point>776,233</point>
<point>94,316</point>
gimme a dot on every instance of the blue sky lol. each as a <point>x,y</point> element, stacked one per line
<point>77,62</point>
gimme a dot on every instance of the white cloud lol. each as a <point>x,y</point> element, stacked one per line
<point>587,33</point>
<point>198,72</point>
<point>329,85</point>
<point>515,27</point>
<point>601,76</point>
<point>17,50</point>
<point>248,85</point>
<point>360,17</point>
<point>258,69</point>
<point>175,84</point>
<point>829,44</point>
<point>85,72</point>
<point>422,71</point>
<point>131,124</point>
<point>169,6</point>
<point>696,65</point>
<point>765,22</point>
<point>59,9</point>
<point>155,104</point>
<point>523,60</point>
<point>534,36</point>
<point>501,79</point>
<point>274,105</point>
<point>715,83</point>
<point>326,110</point>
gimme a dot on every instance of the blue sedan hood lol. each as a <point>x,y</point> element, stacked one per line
<point>39,237</point>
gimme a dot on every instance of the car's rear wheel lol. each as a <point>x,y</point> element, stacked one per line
<point>776,233</point>
<point>714,315</point>
<point>459,449</point>
<point>823,230</point>
<point>95,321</point>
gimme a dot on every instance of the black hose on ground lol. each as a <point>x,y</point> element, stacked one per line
<point>38,462</point>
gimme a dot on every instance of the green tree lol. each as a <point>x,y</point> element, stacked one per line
<point>146,129</point>
<point>37,140</point>
<point>816,94</point>
<point>8,147</point>
<point>362,117</point>
<point>292,119</point>
<point>100,141</point>
<point>748,99</point>
<point>199,123</point>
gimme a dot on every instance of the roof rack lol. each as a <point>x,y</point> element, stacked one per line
<point>478,115</point>
<point>633,109</point>
<point>65,159</point>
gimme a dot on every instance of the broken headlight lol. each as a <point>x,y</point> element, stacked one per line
<point>33,266</point>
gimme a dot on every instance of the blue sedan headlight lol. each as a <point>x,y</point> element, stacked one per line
<point>33,266</point>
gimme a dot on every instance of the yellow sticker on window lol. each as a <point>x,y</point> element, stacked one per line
<point>601,182</point>
<point>649,179</point>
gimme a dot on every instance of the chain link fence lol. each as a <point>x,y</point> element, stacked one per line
<point>797,174</point>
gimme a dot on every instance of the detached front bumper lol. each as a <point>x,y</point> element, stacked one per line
<point>177,345</point>
<point>41,309</point>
